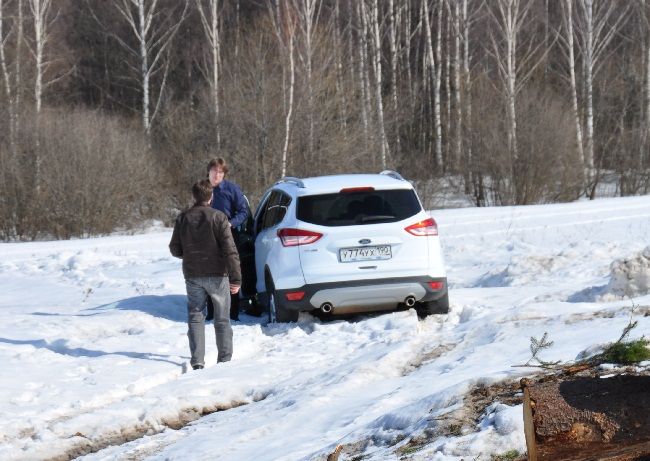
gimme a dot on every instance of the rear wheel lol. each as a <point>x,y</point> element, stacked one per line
<point>439,306</point>
<point>277,312</point>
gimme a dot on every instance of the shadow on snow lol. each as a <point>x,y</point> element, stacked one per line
<point>60,346</point>
<point>169,307</point>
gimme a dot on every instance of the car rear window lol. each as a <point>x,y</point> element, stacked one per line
<point>358,207</point>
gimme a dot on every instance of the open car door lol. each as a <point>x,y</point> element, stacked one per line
<point>245,242</point>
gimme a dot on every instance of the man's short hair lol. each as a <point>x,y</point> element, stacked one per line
<point>218,162</point>
<point>202,191</point>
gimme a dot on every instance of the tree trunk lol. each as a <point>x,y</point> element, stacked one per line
<point>588,418</point>
<point>393,74</point>
<point>292,83</point>
<point>589,66</point>
<point>568,18</point>
<point>437,88</point>
<point>216,45</point>
<point>211,30</point>
<point>430,70</point>
<point>646,43</point>
<point>407,54</point>
<point>469,167</point>
<point>308,14</point>
<point>340,83</point>
<point>39,10</point>
<point>458,146</point>
<point>511,77</point>
<point>363,72</point>
<point>383,149</point>
<point>6,77</point>
<point>18,75</point>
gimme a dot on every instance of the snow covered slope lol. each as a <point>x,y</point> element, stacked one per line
<point>94,349</point>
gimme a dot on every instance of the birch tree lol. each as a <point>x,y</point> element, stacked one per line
<point>392,33</point>
<point>567,40</point>
<point>3,59</point>
<point>646,48</point>
<point>431,70</point>
<point>363,70</point>
<point>18,77</point>
<point>285,30</point>
<point>467,100</point>
<point>340,84</point>
<point>308,12</point>
<point>437,110</point>
<point>597,24</point>
<point>210,22</point>
<point>444,56</point>
<point>458,136</point>
<point>13,81</point>
<point>41,17</point>
<point>516,60</point>
<point>376,42</point>
<point>7,79</point>
<point>645,21</point>
<point>153,29</point>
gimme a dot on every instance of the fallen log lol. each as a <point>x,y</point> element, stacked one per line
<point>582,419</point>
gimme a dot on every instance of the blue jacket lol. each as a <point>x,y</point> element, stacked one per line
<point>228,198</point>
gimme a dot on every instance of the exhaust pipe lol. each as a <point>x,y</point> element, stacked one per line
<point>410,301</point>
<point>326,308</point>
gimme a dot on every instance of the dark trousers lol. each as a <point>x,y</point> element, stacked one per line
<point>234,308</point>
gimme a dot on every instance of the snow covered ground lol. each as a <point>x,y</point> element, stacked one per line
<point>94,348</point>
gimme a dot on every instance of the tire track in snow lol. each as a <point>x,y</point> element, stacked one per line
<point>342,375</point>
<point>89,445</point>
<point>74,438</point>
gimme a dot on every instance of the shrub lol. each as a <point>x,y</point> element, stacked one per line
<point>76,173</point>
<point>627,352</point>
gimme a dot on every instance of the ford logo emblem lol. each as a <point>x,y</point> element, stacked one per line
<point>364,241</point>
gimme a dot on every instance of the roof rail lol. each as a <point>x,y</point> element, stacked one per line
<point>393,174</point>
<point>290,179</point>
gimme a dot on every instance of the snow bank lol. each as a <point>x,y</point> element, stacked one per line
<point>630,277</point>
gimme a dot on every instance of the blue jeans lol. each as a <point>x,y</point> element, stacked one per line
<point>198,290</point>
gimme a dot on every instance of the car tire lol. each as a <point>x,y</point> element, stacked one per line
<point>277,312</point>
<point>439,306</point>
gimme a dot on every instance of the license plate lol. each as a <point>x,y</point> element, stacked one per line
<point>348,255</point>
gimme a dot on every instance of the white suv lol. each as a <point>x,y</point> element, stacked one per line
<point>347,244</point>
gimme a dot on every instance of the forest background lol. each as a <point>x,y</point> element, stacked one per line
<point>110,109</point>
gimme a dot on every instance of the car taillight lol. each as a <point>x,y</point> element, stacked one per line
<point>295,237</point>
<point>295,295</point>
<point>422,228</point>
<point>437,286</point>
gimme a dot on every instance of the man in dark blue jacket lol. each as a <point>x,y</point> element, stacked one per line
<point>228,198</point>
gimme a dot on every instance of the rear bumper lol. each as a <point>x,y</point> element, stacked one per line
<point>364,295</point>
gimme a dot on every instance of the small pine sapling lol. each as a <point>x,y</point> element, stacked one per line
<point>536,346</point>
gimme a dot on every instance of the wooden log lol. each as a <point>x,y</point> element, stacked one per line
<point>582,419</point>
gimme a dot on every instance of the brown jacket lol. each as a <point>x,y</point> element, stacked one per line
<point>203,239</point>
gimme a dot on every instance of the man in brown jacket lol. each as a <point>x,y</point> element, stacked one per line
<point>202,238</point>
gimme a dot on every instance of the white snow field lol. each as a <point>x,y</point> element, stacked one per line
<point>95,356</point>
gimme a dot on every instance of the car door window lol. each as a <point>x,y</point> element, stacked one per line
<point>283,205</point>
<point>270,212</point>
<point>276,209</point>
